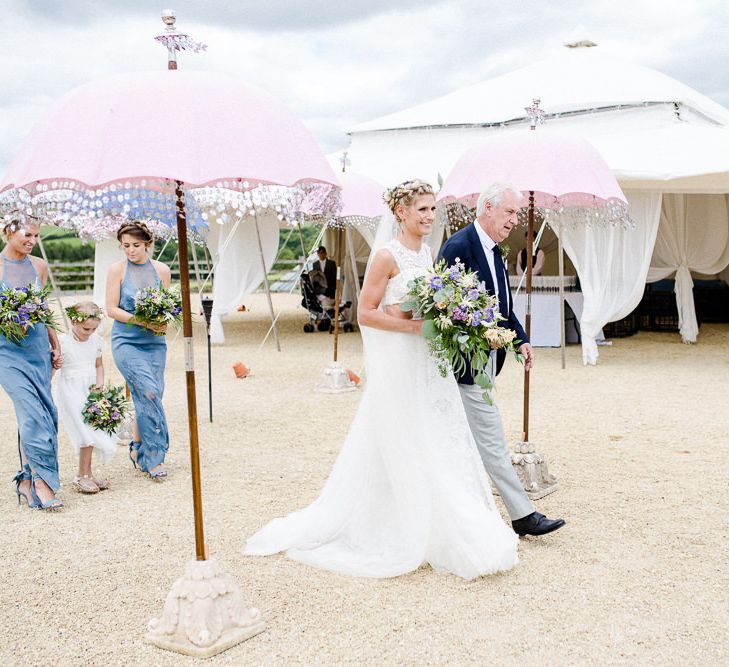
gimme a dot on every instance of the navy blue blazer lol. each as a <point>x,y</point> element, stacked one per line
<point>465,245</point>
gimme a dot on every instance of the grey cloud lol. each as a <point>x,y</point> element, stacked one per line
<point>269,15</point>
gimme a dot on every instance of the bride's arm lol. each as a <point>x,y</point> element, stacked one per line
<point>368,311</point>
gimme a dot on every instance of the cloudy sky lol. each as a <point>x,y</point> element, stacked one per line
<point>337,63</point>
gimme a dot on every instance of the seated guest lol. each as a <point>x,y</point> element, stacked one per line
<point>537,261</point>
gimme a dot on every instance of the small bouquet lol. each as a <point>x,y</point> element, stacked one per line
<point>22,308</point>
<point>157,305</point>
<point>461,321</point>
<point>105,408</point>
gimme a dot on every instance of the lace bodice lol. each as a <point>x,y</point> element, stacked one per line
<point>411,264</point>
<point>79,357</point>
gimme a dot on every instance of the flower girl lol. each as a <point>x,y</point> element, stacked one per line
<point>83,367</point>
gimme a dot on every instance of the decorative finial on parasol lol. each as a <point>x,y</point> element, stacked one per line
<point>175,40</point>
<point>535,114</point>
<point>580,39</point>
<point>344,161</point>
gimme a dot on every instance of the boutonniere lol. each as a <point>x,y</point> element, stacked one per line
<point>505,249</point>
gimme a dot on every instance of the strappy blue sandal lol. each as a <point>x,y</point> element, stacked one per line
<point>52,505</point>
<point>159,475</point>
<point>21,477</point>
<point>136,449</point>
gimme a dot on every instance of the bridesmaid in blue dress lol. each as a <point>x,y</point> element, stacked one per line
<point>25,374</point>
<point>138,353</point>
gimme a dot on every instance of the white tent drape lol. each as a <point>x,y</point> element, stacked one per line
<point>693,236</point>
<point>106,252</point>
<point>612,264</point>
<point>238,269</point>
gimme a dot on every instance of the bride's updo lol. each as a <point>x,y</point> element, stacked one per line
<point>405,193</point>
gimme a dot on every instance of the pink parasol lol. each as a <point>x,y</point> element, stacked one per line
<point>566,181</point>
<point>199,128</point>
<point>361,199</point>
<point>134,144</point>
<point>563,172</point>
<point>362,205</point>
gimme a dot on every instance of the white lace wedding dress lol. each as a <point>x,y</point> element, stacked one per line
<point>408,487</point>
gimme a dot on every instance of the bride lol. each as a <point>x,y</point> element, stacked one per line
<point>408,486</point>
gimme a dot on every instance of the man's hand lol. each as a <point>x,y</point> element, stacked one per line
<point>527,352</point>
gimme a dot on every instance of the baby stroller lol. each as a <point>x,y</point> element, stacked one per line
<point>320,317</point>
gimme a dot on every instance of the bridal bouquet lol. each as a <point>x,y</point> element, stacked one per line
<point>105,408</point>
<point>157,305</point>
<point>461,321</point>
<point>22,308</point>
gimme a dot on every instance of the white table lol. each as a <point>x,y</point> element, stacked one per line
<point>545,317</point>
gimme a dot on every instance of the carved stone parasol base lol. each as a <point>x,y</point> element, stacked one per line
<point>531,467</point>
<point>335,380</point>
<point>204,613</point>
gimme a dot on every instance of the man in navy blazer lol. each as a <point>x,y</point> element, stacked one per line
<point>477,247</point>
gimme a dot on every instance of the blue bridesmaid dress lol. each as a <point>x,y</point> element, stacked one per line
<point>141,357</point>
<point>25,374</point>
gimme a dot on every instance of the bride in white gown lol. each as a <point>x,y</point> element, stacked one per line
<point>408,486</point>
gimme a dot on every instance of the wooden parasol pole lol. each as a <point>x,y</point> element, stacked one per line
<point>560,250</point>
<point>189,605</point>
<point>200,551</point>
<point>266,285</point>
<point>528,318</point>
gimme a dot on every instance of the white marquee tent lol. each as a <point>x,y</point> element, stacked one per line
<point>667,144</point>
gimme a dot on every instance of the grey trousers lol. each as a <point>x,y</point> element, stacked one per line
<point>488,432</point>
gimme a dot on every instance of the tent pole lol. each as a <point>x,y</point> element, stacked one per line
<point>197,268</point>
<point>528,318</point>
<point>54,287</point>
<point>301,240</point>
<point>355,274</point>
<point>560,251</point>
<point>200,551</point>
<point>265,282</point>
<point>338,292</point>
<point>213,263</point>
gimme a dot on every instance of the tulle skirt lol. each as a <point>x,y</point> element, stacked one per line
<point>408,486</point>
<point>70,395</point>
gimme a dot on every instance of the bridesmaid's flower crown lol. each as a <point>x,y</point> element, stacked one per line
<point>405,192</point>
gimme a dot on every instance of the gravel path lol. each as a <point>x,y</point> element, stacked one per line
<point>639,576</point>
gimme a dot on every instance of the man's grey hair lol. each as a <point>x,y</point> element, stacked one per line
<point>494,194</point>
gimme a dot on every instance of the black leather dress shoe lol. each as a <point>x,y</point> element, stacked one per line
<point>536,524</point>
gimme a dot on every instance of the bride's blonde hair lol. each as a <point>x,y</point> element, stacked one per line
<point>405,193</point>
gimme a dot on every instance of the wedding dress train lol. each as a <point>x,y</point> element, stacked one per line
<point>408,486</point>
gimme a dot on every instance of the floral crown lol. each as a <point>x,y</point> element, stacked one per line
<point>76,315</point>
<point>16,219</point>
<point>392,196</point>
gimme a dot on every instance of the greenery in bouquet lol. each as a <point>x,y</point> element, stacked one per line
<point>105,408</point>
<point>157,306</point>
<point>21,308</point>
<point>461,321</point>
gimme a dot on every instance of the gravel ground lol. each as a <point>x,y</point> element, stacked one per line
<point>639,575</point>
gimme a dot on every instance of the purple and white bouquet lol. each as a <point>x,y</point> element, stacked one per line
<point>105,408</point>
<point>157,306</point>
<point>461,321</point>
<point>21,308</point>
